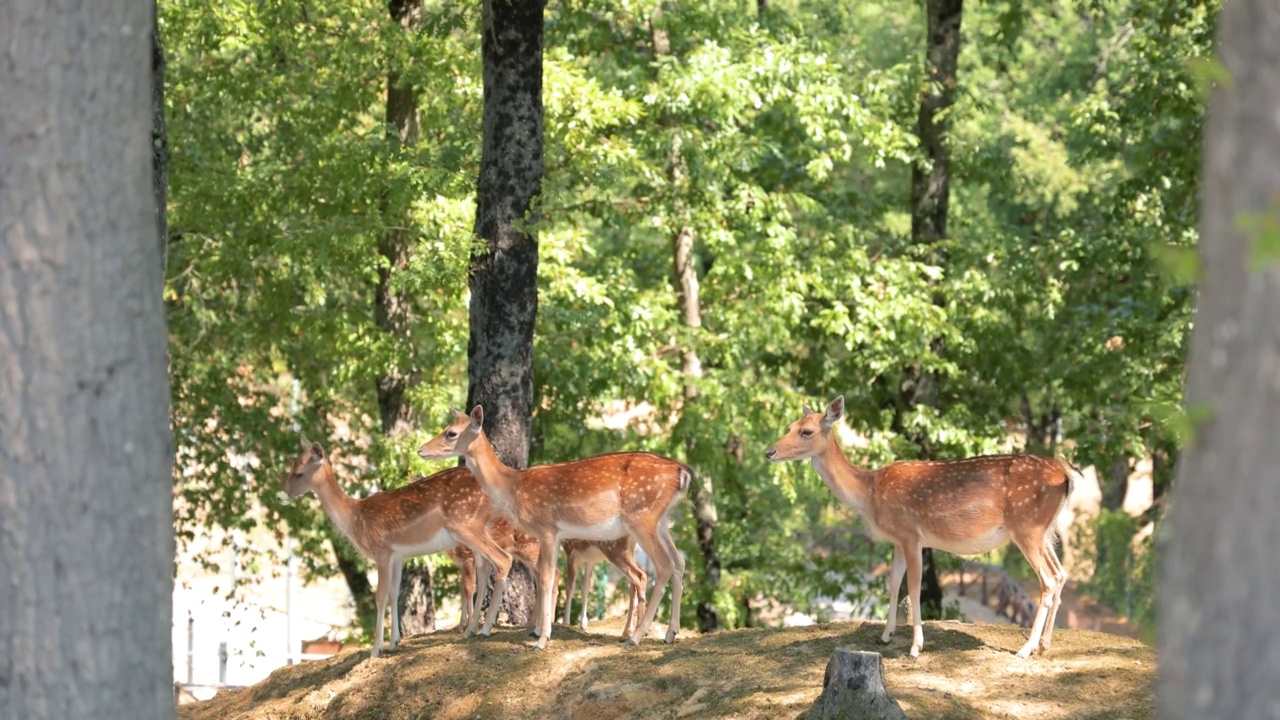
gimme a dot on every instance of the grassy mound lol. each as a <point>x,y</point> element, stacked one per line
<point>965,671</point>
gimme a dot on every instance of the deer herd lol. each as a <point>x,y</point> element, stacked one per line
<point>487,515</point>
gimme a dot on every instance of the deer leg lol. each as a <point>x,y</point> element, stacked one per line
<point>677,578</point>
<point>914,568</point>
<point>625,561</point>
<point>1060,577</point>
<point>896,572</point>
<point>588,579</point>
<point>571,582</point>
<point>397,572</point>
<point>488,554</point>
<point>380,598</point>
<point>1033,549</point>
<point>468,582</point>
<point>547,546</point>
<point>653,546</point>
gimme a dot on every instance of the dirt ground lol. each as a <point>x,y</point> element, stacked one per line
<point>966,671</point>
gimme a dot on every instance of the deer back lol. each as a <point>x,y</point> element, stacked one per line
<point>600,490</point>
<point>965,505</point>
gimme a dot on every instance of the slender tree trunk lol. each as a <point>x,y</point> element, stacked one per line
<point>1219,630</point>
<point>702,492</point>
<point>86,455</point>
<point>504,273</point>
<point>352,567</point>
<point>392,303</point>
<point>930,191</point>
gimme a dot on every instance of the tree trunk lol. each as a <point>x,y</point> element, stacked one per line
<point>351,565</point>
<point>931,182</point>
<point>504,273</point>
<point>86,454</point>
<point>392,304</point>
<point>417,604</point>
<point>701,492</point>
<point>930,191</point>
<point>1219,630</point>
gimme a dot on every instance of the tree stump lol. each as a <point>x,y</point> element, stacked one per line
<point>853,687</point>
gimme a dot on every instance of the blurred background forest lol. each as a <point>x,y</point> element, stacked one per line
<point>762,164</point>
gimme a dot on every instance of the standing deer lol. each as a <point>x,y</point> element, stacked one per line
<point>430,515</point>
<point>967,507</point>
<point>601,498</point>
<point>585,554</point>
<point>577,554</point>
<point>522,547</point>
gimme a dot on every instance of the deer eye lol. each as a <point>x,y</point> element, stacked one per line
<point>451,435</point>
<point>806,433</point>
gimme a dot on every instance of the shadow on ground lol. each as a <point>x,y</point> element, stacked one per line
<point>965,671</point>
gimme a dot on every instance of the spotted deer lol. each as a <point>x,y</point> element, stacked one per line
<point>523,549</point>
<point>583,555</point>
<point>607,497</point>
<point>966,507</point>
<point>432,514</point>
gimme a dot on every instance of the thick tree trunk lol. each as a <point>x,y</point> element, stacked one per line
<point>1219,630</point>
<point>417,604</point>
<point>393,305</point>
<point>86,455</point>
<point>504,273</point>
<point>930,194</point>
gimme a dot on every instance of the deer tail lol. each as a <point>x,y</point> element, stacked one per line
<point>684,477</point>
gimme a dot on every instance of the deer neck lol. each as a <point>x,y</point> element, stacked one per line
<point>337,504</point>
<point>498,480</point>
<point>848,482</point>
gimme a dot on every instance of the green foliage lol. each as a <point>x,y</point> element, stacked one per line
<point>785,143</point>
<point>1125,576</point>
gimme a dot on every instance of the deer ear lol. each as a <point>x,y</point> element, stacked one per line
<point>807,410</point>
<point>303,442</point>
<point>317,452</point>
<point>834,411</point>
<point>477,416</point>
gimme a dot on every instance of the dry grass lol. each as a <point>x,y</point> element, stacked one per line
<point>965,671</point>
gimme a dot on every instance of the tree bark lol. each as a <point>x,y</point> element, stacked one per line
<point>931,181</point>
<point>504,273</point>
<point>159,143</point>
<point>1219,631</point>
<point>930,194</point>
<point>392,304</point>
<point>86,454</point>
<point>417,606</point>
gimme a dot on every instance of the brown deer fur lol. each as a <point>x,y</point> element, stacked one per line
<point>432,514</point>
<point>601,498</point>
<point>967,507</point>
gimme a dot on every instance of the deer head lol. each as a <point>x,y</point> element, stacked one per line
<point>809,436</point>
<point>456,438</point>
<point>301,476</point>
